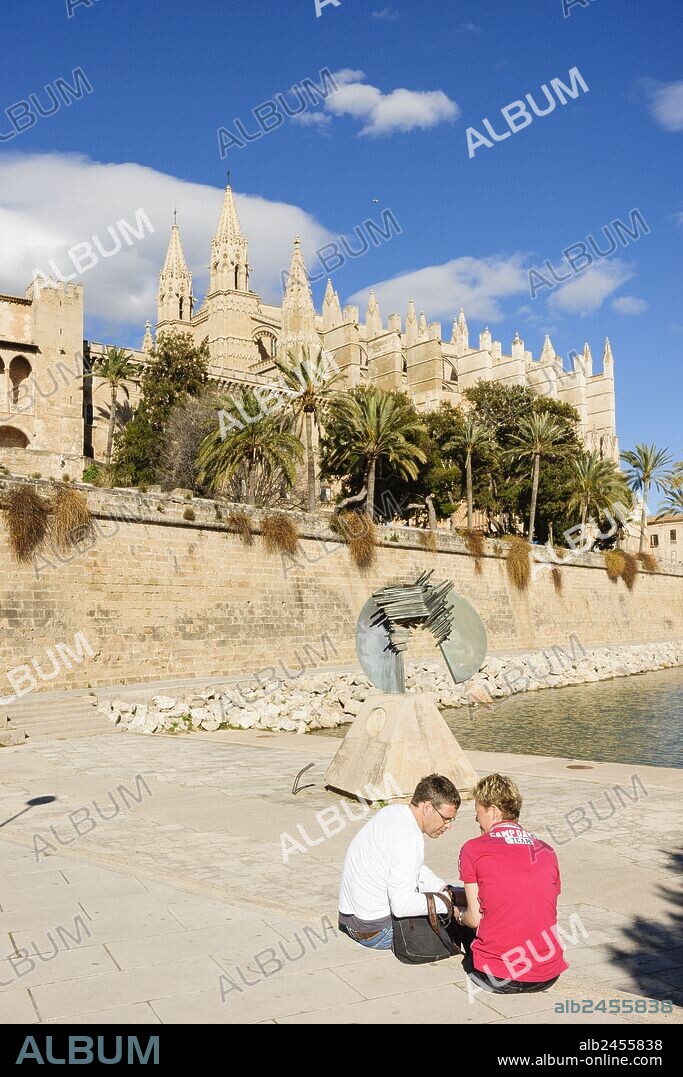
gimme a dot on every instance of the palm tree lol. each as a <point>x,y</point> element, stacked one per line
<point>472,438</point>
<point>309,384</point>
<point>368,424</point>
<point>117,367</point>
<point>597,483</point>
<point>646,465</point>
<point>539,435</point>
<point>672,484</point>
<point>255,444</point>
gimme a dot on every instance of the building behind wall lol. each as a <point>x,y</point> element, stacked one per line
<point>68,421</point>
<point>665,536</point>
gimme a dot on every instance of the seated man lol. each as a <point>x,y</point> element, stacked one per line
<point>384,870</point>
<point>512,881</point>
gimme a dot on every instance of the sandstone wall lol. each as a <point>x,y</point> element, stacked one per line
<point>156,596</point>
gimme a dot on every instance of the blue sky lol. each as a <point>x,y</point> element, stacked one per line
<point>165,78</point>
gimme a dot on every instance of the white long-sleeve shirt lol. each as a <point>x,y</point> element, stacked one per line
<point>384,870</point>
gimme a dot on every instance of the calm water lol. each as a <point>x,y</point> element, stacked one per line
<point>626,720</point>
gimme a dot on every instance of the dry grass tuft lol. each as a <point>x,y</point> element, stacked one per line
<point>280,533</point>
<point>26,516</point>
<point>427,540</point>
<point>556,577</point>
<point>71,518</point>
<point>615,563</point>
<point>519,563</point>
<point>241,523</point>
<point>476,543</point>
<point>631,567</point>
<point>360,534</point>
<point>649,562</point>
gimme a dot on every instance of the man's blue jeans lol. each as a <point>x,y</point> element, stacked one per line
<point>381,941</point>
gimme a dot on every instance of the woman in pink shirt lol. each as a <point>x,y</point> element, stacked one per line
<point>512,881</point>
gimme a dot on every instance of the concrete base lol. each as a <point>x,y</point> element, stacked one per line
<point>393,742</point>
<point>9,735</point>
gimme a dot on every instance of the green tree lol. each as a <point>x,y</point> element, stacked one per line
<point>502,490</point>
<point>367,425</point>
<point>248,445</point>
<point>672,484</point>
<point>597,483</point>
<point>177,369</point>
<point>540,435</point>
<point>468,443</point>
<point>116,367</point>
<point>646,465</point>
<point>309,384</point>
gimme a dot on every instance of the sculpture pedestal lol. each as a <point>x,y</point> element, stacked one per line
<point>393,742</point>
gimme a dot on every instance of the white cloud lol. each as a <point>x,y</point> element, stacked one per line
<point>678,217</point>
<point>476,284</point>
<point>588,291</point>
<point>468,28</point>
<point>313,119</point>
<point>50,202</point>
<point>383,114</point>
<point>666,103</point>
<point>387,14</point>
<point>629,304</point>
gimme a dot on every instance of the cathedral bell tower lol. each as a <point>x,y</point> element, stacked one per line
<point>230,306</point>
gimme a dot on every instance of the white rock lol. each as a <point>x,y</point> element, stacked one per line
<point>163,703</point>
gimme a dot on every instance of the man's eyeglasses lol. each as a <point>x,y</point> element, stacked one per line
<point>448,819</point>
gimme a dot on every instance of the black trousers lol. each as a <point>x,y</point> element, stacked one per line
<point>503,987</point>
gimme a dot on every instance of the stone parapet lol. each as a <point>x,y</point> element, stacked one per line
<point>159,596</point>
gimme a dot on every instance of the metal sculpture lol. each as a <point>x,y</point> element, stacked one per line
<point>386,624</point>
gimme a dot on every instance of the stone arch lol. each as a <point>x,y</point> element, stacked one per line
<point>19,371</point>
<point>12,438</point>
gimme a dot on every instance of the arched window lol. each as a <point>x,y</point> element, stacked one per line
<point>19,371</point>
<point>11,438</point>
<point>266,343</point>
<point>450,374</point>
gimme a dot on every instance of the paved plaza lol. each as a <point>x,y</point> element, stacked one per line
<point>154,888</point>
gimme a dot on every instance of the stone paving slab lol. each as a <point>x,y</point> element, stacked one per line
<point>59,967</point>
<point>119,988</point>
<point>265,1000</point>
<point>139,1013</point>
<point>447,1005</point>
<point>190,884</point>
<point>17,1008</point>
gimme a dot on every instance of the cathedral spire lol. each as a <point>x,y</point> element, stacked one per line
<point>607,357</point>
<point>374,315</point>
<point>229,223</point>
<point>332,312</point>
<point>229,250</point>
<point>411,325</point>
<point>174,301</point>
<point>461,334</point>
<point>147,341</point>
<point>548,352</point>
<point>298,313</point>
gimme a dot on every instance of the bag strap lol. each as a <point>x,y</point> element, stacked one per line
<point>432,913</point>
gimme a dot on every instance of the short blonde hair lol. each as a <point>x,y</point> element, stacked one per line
<point>499,791</point>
